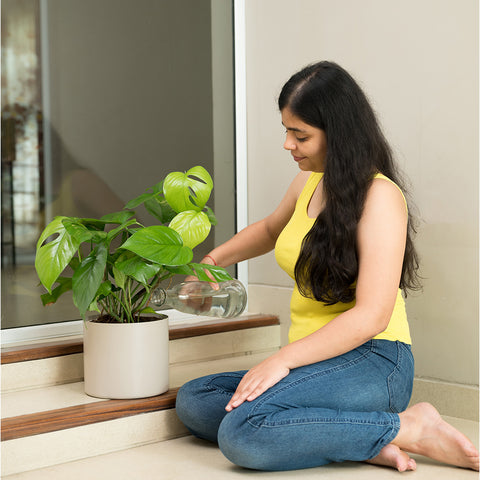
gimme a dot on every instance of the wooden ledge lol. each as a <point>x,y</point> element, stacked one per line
<point>38,351</point>
<point>79,415</point>
<point>252,320</point>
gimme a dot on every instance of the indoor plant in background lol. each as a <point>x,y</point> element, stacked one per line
<point>113,264</point>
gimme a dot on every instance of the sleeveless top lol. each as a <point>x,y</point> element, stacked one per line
<point>307,314</point>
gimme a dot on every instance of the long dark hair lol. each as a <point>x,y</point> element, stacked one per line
<point>325,96</point>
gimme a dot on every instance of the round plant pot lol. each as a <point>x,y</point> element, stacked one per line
<point>126,360</point>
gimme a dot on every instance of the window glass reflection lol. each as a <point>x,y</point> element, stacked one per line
<point>100,99</point>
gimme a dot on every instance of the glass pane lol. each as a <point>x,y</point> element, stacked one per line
<point>100,99</point>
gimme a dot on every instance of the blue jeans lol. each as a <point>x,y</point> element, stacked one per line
<point>345,408</point>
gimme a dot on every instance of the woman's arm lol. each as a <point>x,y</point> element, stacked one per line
<point>259,237</point>
<point>381,244</point>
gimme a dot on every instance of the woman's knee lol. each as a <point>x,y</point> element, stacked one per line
<point>241,442</point>
<point>192,408</point>
<point>185,402</point>
<point>201,404</point>
<point>187,394</point>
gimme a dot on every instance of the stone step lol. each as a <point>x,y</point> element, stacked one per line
<point>188,457</point>
<point>47,419</point>
<point>83,414</point>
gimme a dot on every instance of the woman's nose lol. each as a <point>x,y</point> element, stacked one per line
<point>288,144</point>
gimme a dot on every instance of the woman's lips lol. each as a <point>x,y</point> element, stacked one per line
<point>297,159</point>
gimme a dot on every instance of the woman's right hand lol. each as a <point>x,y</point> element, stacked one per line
<point>195,294</point>
<point>207,260</point>
<point>200,302</point>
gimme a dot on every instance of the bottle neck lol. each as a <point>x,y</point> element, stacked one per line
<point>159,297</point>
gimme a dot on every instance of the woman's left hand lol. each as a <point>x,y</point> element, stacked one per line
<point>258,380</point>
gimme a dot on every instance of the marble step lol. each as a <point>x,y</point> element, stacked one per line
<point>54,421</point>
<point>188,457</point>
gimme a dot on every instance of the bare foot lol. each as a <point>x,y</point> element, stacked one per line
<point>423,431</point>
<point>392,456</point>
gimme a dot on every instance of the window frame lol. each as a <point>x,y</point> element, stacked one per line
<point>75,328</point>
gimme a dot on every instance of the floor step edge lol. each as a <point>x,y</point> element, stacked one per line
<point>79,415</point>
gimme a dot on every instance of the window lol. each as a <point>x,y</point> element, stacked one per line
<point>100,98</point>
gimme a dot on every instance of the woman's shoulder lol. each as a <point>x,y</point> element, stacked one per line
<point>302,179</point>
<point>383,189</point>
<point>301,183</point>
<point>297,184</point>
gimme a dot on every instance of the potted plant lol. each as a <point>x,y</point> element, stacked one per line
<point>113,264</point>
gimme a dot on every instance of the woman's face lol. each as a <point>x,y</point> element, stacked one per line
<point>307,144</point>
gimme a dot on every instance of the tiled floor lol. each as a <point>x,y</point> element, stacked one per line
<point>188,457</point>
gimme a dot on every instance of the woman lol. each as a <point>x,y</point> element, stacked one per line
<point>338,391</point>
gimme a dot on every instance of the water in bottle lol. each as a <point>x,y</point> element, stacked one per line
<point>201,298</point>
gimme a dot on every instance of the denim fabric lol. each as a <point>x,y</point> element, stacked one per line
<point>345,408</point>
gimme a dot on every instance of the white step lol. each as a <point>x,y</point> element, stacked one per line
<point>190,458</point>
<point>36,389</point>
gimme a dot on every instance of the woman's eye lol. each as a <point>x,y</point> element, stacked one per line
<point>298,139</point>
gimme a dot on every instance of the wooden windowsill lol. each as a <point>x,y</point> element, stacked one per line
<point>56,348</point>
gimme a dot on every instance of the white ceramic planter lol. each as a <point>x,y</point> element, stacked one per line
<point>126,360</point>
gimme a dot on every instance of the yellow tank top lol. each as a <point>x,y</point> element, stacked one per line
<point>308,315</point>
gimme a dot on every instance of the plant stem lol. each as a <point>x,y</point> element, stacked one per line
<point>123,307</point>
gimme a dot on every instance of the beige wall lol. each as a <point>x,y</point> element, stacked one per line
<point>418,62</point>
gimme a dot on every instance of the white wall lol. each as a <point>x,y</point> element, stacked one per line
<point>418,62</point>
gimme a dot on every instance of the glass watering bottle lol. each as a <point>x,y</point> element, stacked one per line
<point>200,298</point>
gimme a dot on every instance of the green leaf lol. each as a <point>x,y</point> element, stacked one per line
<point>181,270</point>
<point>119,277</point>
<point>93,223</point>
<point>77,230</point>
<point>139,200</point>
<point>93,307</point>
<point>52,258</point>
<point>218,273</point>
<point>81,233</point>
<point>65,284</point>
<point>136,267</point>
<point>74,263</point>
<point>160,209</point>
<point>159,244</point>
<point>201,275</point>
<point>147,310</point>
<point>88,277</point>
<point>188,191</point>
<point>113,233</point>
<point>158,188</point>
<point>104,290</point>
<point>193,227</point>
<point>211,216</point>
<point>118,217</point>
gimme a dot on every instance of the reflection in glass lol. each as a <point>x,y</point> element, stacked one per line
<point>100,98</point>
